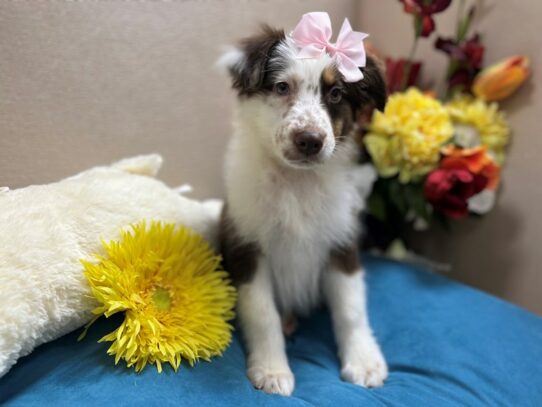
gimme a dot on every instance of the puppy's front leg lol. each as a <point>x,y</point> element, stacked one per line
<point>362,361</point>
<point>267,365</point>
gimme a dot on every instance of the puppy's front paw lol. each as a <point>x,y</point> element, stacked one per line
<point>272,380</point>
<point>364,365</point>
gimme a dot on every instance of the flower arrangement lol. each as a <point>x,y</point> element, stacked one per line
<point>439,158</point>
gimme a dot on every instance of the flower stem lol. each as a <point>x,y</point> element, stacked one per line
<point>463,25</point>
<point>409,63</point>
<point>460,12</point>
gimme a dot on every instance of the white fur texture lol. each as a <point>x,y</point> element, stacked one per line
<point>297,214</point>
<point>47,229</point>
<point>307,111</point>
<point>361,359</point>
<point>267,365</point>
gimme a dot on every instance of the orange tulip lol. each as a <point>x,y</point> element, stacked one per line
<point>476,160</point>
<point>499,81</point>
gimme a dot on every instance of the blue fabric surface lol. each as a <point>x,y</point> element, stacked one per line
<point>446,344</point>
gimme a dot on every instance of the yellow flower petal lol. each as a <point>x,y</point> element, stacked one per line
<point>486,119</point>
<point>176,299</point>
<point>406,138</point>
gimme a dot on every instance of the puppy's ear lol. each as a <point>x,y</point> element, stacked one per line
<point>371,90</point>
<point>248,64</point>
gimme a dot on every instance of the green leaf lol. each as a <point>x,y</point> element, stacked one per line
<point>416,200</point>
<point>463,26</point>
<point>418,25</point>
<point>452,67</point>
<point>397,197</point>
<point>376,205</point>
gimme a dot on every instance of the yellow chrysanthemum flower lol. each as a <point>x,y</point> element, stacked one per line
<point>485,120</point>
<point>406,138</point>
<point>176,299</point>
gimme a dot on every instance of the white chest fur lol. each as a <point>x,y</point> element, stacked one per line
<point>296,217</point>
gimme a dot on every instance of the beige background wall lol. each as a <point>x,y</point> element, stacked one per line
<point>89,82</point>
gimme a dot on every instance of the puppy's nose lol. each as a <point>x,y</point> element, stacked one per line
<point>308,142</point>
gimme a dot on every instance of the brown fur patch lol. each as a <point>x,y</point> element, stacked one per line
<point>358,97</point>
<point>252,75</point>
<point>370,90</point>
<point>345,259</point>
<point>240,259</point>
<point>343,123</point>
<point>329,75</point>
<point>338,125</point>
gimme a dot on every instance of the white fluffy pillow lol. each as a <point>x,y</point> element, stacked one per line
<point>47,229</point>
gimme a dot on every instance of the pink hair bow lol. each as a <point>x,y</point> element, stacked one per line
<point>312,35</point>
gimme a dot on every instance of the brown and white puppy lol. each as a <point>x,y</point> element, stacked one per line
<point>290,224</point>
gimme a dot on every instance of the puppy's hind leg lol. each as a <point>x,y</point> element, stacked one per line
<point>267,365</point>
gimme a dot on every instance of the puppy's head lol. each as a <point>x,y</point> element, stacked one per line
<point>302,109</point>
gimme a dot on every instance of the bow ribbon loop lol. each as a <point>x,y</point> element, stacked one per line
<point>313,34</point>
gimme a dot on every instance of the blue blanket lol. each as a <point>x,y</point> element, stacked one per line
<point>446,345</point>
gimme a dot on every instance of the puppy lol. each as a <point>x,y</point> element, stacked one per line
<point>290,225</point>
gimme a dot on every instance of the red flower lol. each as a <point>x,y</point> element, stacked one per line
<point>448,190</point>
<point>467,55</point>
<point>471,51</point>
<point>476,160</point>
<point>474,51</point>
<point>396,71</point>
<point>424,10</point>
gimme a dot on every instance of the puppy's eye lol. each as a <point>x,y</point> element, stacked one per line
<point>335,94</point>
<point>282,88</point>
